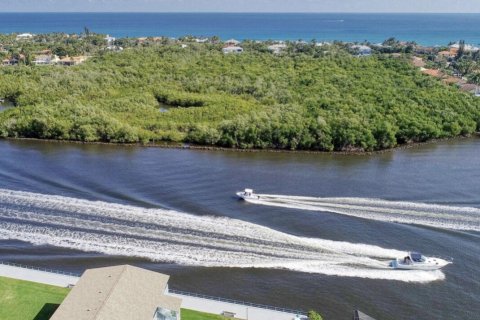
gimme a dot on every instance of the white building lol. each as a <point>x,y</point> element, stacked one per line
<point>110,40</point>
<point>45,59</point>
<point>301,42</point>
<point>114,48</point>
<point>232,42</point>
<point>232,49</point>
<point>201,40</point>
<point>24,36</point>
<point>362,50</point>
<point>468,47</point>
<point>277,48</point>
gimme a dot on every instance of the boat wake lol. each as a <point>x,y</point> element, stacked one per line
<point>431,215</point>
<point>175,237</point>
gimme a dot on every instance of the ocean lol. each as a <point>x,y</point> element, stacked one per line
<point>426,29</point>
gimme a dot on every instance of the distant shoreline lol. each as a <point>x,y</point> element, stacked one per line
<point>356,27</point>
<point>187,146</point>
<point>241,12</point>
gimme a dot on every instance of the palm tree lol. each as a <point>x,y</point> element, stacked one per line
<point>461,49</point>
<point>465,66</point>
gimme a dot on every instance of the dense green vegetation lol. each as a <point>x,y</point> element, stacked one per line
<point>60,44</point>
<point>28,300</point>
<point>313,315</point>
<point>311,97</point>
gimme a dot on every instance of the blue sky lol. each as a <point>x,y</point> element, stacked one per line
<point>243,5</point>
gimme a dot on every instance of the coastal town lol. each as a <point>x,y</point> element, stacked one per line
<point>456,63</point>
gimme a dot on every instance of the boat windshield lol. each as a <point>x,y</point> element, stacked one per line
<point>417,257</point>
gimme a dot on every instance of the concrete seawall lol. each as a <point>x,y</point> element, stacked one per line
<point>241,311</point>
<point>37,275</point>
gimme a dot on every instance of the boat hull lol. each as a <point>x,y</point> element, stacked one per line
<point>250,198</point>
<point>429,265</point>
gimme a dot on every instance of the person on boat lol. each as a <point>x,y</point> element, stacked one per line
<point>407,260</point>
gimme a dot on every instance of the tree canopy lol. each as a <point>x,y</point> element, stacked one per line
<point>312,98</point>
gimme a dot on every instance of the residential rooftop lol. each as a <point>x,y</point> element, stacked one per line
<point>120,293</point>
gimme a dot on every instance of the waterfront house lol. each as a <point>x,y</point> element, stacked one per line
<point>5,62</point>
<point>277,48</point>
<point>72,61</point>
<point>362,50</point>
<point>424,50</point>
<point>444,53</point>
<point>451,53</point>
<point>232,42</point>
<point>469,87</point>
<point>110,40</point>
<point>232,49</point>
<point>433,73</point>
<point>418,62</point>
<point>201,40</point>
<point>466,47</point>
<point>9,62</point>
<point>45,51</point>
<point>120,293</point>
<point>453,80</point>
<point>114,48</point>
<point>45,59</point>
<point>24,36</point>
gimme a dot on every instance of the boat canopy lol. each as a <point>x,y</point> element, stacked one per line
<point>248,190</point>
<point>416,256</point>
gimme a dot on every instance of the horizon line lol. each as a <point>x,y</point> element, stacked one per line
<point>249,12</point>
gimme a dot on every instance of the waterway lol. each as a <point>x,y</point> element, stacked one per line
<point>5,104</point>
<point>75,206</point>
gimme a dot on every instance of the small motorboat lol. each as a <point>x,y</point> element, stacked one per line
<point>417,261</point>
<point>247,195</point>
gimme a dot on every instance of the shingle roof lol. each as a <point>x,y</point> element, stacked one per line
<point>433,72</point>
<point>120,293</point>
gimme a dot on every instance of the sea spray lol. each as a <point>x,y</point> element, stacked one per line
<point>177,237</point>
<point>431,215</point>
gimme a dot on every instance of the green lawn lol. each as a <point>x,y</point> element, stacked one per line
<point>24,300</point>
<point>195,315</point>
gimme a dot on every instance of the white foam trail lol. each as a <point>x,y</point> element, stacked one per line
<point>431,215</point>
<point>171,236</point>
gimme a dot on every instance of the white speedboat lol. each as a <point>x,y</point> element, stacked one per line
<point>417,261</point>
<point>247,195</point>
